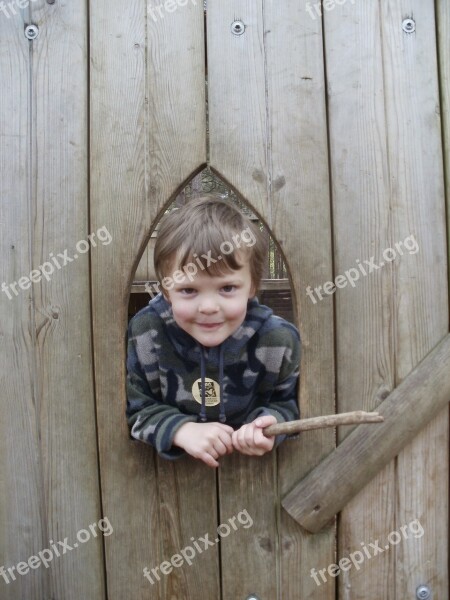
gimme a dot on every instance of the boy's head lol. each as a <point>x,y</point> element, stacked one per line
<point>209,258</point>
<point>211,236</point>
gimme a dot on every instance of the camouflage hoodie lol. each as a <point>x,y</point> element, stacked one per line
<point>172,379</point>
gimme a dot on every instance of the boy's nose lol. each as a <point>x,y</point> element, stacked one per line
<point>208,306</point>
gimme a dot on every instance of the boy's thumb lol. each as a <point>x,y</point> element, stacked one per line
<point>264,421</point>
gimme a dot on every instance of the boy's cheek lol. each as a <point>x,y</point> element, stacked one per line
<point>179,312</point>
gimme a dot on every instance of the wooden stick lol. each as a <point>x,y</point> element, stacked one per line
<point>349,418</point>
<point>326,489</point>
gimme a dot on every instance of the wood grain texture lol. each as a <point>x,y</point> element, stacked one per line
<point>238,153</point>
<point>443,31</point>
<point>360,192</point>
<point>22,495</point>
<point>420,280</point>
<point>148,137</point>
<point>237,101</point>
<point>406,411</point>
<point>65,378</point>
<point>300,213</point>
<point>351,418</point>
<point>266,145</point>
<point>51,476</point>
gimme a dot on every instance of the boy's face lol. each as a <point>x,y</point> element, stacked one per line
<point>211,308</point>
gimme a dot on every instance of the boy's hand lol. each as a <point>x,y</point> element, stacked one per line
<point>206,441</point>
<point>250,439</point>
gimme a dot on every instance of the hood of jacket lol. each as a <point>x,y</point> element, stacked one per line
<point>226,353</point>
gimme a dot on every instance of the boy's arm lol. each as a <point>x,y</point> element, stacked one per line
<point>282,403</point>
<point>151,421</point>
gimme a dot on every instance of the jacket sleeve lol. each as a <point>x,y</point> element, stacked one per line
<point>149,418</point>
<point>283,403</point>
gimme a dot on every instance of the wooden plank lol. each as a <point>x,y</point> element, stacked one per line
<point>238,153</point>
<point>236,101</point>
<point>60,170</point>
<point>301,223</point>
<point>148,134</point>
<point>406,411</point>
<point>443,30</point>
<point>22,522</point>
<point>360,192</point>
<point>264,144</point>
<point>421,285</point>
<point>64,364</point>
<point>52,477</point>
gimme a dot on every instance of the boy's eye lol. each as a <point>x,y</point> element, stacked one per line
<point>228,288</point>
<point>187,291</point>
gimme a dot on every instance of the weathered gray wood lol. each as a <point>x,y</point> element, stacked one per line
<point>420,281</point>
<point>406,411</point>
<point>238,147</point>
<point>148,136</point>
<point>268,140</point>
<point>361,212</point>
<point>22,495</point>
<point>50,478</point>
<point>443,30</point>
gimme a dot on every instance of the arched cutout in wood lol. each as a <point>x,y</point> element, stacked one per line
<point>275,290</point>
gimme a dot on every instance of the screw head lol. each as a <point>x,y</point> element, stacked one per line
<point>31,32</point>
<point>423,592</point>
<point>238,28</point>
<point>409,26</point>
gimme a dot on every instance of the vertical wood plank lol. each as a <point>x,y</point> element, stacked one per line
<point>443,30</point>
<point>301,222</point>
<point>63,335</point>
<point>360,191</point>
<point>238,124</point>
<point>22,514</point>
<point>148,134</point>
<point>264,143</point>
<point>421,284</point>
<point>239,153</point>
<point>51,320</point>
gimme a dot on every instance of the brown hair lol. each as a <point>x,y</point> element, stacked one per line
<point>209,226</point>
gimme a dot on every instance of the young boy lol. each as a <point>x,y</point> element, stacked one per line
<point>208,366</point>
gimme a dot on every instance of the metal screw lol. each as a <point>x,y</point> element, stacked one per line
<point>423,592</point>
<point>409,26</point>
<point>238,28</point>
<point>252,597</point>
<point>31,32</point>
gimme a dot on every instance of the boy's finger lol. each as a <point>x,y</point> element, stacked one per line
<point>226,428</point>
<point>222,446</point>
<point>209,460</point>
<point>265,421</point>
